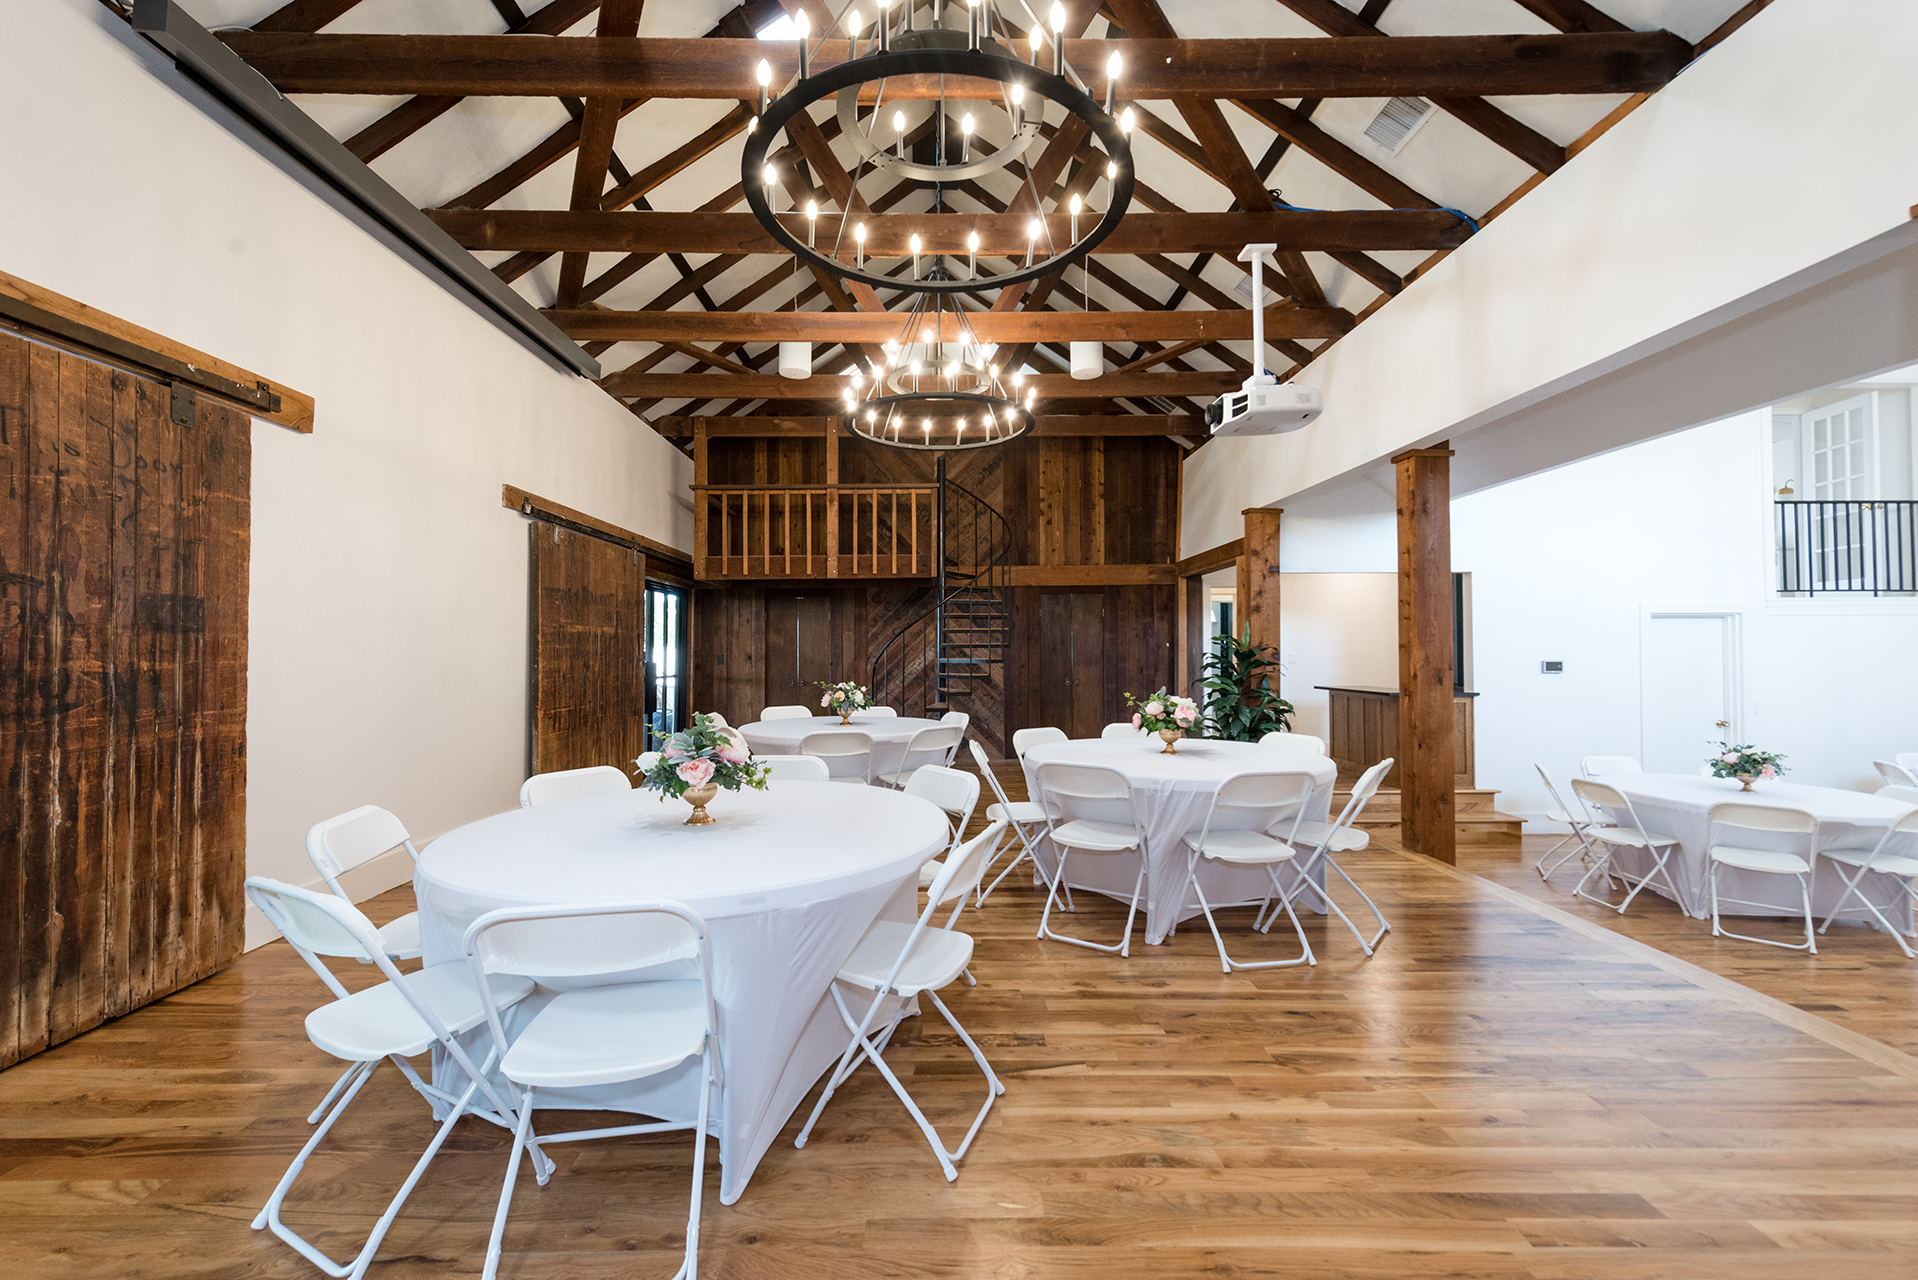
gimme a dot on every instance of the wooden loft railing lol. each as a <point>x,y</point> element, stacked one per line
<point>815,531</point>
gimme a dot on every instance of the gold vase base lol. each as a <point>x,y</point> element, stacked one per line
<point>1747,780</point>
<point>844,718</point>
<point>1171,742</point>
<point>699,798</point>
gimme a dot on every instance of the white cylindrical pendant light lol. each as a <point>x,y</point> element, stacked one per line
<point>1088,360</point>
<point>795,359</point>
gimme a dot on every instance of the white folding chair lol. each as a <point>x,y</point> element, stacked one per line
<point>1302,742</point>
<point>571,784</point>
<point>906,960</point>
<point>1907,760</point>
<point>600,1035</point>
<point>1903,795</point>
<point>1759,817</point>
<point>718,720</point>
<point>1024,740</point>
<point>1579,819</point>
<point>1321,840</point>
<point>353,839</point>
<point>1243,811</point>
<point>1600,766</point>
<point>401,1017</point>
<point>786,713</point>
<point>1024,819</point>
<point>881,713</point>
<point>964,721</point>
<point>796,768</point>
<point>1123,729</point>
<point>934,746</point>
<point>1895,774</point>
<point>952,790</point>
<point>1080,802</point>
<point>1596,795</point>
<point>1901,867</point>
<point>847,753</point>
<point>734,736</point>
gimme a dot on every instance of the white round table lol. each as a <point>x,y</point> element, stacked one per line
<point>788,880</point>
<point>1678,805</point>
<point>1172,792</point>
<point>889,735</point>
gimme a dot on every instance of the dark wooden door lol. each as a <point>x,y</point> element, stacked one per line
<point>124,527</point>
<point>586,651</point>
<point>799,648</point>
<point>1072,662</point>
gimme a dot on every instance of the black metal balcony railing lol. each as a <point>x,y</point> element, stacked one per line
<point>1847,546</point>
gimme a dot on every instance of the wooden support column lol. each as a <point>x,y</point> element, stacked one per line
<point>1426,767</point>
<point>832,500</point>
<point>702,476</point>
<point>1259,575</point>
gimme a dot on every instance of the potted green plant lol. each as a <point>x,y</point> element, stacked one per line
<point>1242,702</point>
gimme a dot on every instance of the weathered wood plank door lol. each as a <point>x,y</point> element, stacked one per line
<point>1072,661</point>
<point>124,540</point>
<point>588,675</point>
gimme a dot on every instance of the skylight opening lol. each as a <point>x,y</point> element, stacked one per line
<point>780,28</point>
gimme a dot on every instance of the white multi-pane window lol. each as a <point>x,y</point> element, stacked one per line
<point>1840,450</point>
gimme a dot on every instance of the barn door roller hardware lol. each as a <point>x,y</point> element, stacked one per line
<point>184,377</point>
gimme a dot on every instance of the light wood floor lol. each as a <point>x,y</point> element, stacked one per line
<point>1497,1093</point>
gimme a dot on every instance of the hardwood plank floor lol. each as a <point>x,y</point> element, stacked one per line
<point>1859,979</point>
<point>1494,1094</point>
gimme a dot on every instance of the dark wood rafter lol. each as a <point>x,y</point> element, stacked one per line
<point>618,19</point>
<point>1572,16</point>
<point>305,15</point>
<point>1523,141</point>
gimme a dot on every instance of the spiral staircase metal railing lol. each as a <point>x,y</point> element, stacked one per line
<point>942,653</point>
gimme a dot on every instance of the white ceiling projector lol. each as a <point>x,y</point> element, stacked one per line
<point>1263,406</point>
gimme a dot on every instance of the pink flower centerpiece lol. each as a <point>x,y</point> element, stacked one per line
<point>845,698</point>
<point>1166,714</point>
<point>1746,763</point>
<point>693,764</point>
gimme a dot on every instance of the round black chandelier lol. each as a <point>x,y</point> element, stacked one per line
<point>852,246</point>
<point>937,388</point>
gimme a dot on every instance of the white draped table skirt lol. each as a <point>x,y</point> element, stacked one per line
<point>889,734</point>
<point>1172,793</point>
<point>788,881</point>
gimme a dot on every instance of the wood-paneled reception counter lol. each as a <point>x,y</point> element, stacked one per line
<point>1364,729</point>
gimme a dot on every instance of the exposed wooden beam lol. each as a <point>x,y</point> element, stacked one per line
<point>1050,386</point>
<point>1335,155</point>
<point>1520,139</point>
<point>1091,575</point>
<point>1212,559</point>
<point>781,426</point>
<point>1362,66</point>
<point>1573,15</point>
<point>304,15</point>
<point>618,20</point>
<point>1001,235</point>
<point>985,326</point>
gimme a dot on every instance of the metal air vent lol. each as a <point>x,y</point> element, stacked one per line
<point>1397,121</point>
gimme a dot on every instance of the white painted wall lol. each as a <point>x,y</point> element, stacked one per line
<point>388,611</point>
<point>1335,628</point>
<point>1690,217</point>
<point>1675,524</point>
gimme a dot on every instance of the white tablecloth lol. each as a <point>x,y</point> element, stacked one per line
<point>1676,804</point>
<point>787,879</point>
<point>1172,792</point>
<point>889,735</point>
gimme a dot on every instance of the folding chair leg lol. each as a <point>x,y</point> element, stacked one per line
<point>1385,926</point>
<point>506,1190</point>
<point>1226,963</point>
<point>1810,943</point>
<point>1124,945</point>
<point>313,1117</point>
<point>690,1268</point>
<point>1852,890</point>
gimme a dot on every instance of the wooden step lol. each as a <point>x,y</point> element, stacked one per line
<point>1481,827</point>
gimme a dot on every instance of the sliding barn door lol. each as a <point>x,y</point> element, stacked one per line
<point>588,666</point>
<point>124,530</point>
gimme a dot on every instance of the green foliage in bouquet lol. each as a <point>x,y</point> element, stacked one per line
<point>698,755</point>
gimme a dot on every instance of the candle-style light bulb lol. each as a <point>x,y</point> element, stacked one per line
<point>1058,38</point>
<point>965,138</point>
<point>1034,230</point>
<point>1075,206</point>
<point>915,256</point>
<point>1114,65</point>
<point>1033,38</point>
<point>804,26</point>
<point>972,25</point>
<point>899,128</point>
<point>1126,121</point>
<point>765,79</point>
<point>1112,171</point>
<point>770,177</point>
<point>859,240</point>
<point>1018,104</point>
<point>1058,17</point>
<point>972,248</point>
<point>812,218</point>
<point>884,23</point>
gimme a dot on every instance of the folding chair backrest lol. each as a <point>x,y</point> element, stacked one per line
<point>571,784</point>
<point>734,736</point>
<point>1362,792</point>
<point>951,789</point>
<point>1552,787</point>
<point>1257,801</point>
<point>931,746</point>
<point>1086,791</point>
<point>1904,795</point>
<point>1599,766</point>
<point>847,753</point>
<point>351,839</point>
<point>1906,759</point>
<point>796,768</point>
<point>882,713</point>
<point>786,713</point>
<point>984,762</point>
<point>1895,774</point>
<point>1024,740</point>
<point>718,720</point>
<point>317,924</point>
<point>1909,822</point>
<point>964,867</point>
<point>960,718</point>
<point>1596,794</point>
<point>1762,817</point>
<point>1123,729</point>
<point>1304,742</point>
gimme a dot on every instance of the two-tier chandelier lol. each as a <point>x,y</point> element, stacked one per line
<point>941,105</point>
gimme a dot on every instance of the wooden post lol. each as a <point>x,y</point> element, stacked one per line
<point>702,470</point>
<point>1259,576</point>
<point>832,499</point>
<point>1426,768</point>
